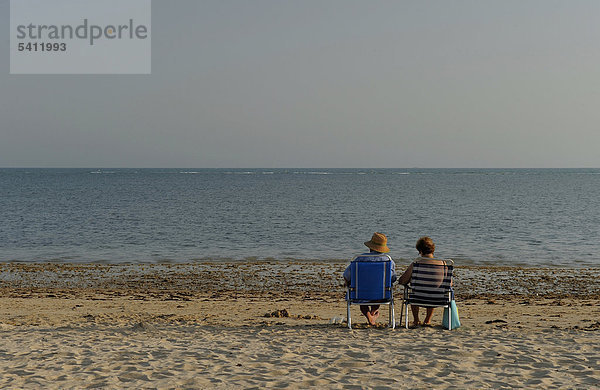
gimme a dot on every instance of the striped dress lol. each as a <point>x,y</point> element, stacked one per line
<point>430,284</point>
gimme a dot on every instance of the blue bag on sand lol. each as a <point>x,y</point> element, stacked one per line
<point>455,319</point>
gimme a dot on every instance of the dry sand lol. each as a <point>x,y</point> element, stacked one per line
<point>269,324</point>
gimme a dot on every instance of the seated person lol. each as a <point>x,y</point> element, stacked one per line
<point>378,245</point>
<point>426,248</point>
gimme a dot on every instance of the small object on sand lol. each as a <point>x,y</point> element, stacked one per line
<point>496,322</point>
<point>278,314</point>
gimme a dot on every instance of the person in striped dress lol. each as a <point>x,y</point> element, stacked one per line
<point>426,249</point>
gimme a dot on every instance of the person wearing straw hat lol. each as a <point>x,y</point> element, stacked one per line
<point>378,245</point>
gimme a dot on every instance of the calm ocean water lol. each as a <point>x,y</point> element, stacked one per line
<point>536,217</point>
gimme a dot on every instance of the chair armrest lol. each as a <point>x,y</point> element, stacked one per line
<point>407,290</point>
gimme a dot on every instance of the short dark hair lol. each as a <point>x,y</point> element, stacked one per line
<point>425,245</point>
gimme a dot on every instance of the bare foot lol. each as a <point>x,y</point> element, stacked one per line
<point>416,324</point>
<point>371,318</point>
<point>375,314</point>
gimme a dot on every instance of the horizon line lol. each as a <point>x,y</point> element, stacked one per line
<point>183,167</point>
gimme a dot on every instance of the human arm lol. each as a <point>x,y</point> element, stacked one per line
<point>405,278</point>
<point>347,276</point>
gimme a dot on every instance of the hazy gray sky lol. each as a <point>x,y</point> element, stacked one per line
<point>326,83</point>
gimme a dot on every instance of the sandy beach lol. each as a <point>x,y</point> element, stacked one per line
<point>271,324</point>
<point>183,184</point>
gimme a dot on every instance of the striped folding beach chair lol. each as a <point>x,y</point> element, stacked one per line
<point>430,286</point>
<point>371,284</point>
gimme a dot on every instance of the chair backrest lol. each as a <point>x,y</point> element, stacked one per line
<point>371,278</point>
<point>431,283</point>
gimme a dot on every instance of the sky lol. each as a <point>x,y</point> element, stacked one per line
<point>335,83</point>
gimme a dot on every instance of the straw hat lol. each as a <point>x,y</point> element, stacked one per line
<point>378,243</point>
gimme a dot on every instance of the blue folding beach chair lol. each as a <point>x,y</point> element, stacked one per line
<point>371,284</point>
<point>430,286</point>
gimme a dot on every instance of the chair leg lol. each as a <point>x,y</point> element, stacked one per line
<point>406,316</point>
<point>349,319</point>
<point>449,318</point>
<point>392,316</point>
<point>401,311</point>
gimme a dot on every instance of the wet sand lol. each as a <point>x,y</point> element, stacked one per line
<point>272,324</point>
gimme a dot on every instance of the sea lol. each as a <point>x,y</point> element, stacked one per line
<point>506,217</point>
